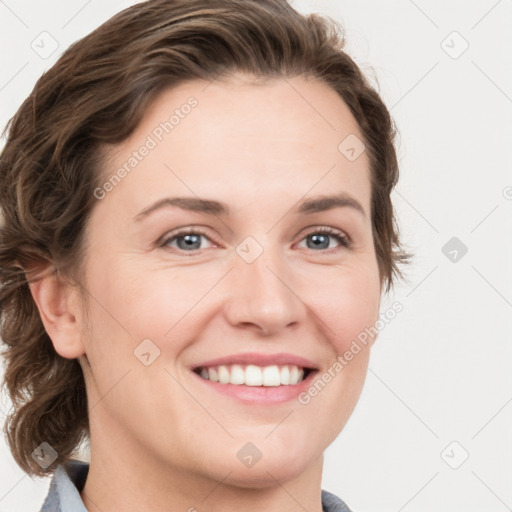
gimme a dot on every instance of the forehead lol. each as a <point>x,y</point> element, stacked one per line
<point>255,136</point>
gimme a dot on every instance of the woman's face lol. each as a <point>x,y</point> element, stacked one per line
<point>264,271</point>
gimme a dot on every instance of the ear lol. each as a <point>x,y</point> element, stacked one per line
<point>59,310</point>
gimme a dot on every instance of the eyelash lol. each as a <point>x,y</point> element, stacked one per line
<point>344,240</point>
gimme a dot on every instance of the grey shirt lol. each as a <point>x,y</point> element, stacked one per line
<point>69,480</point>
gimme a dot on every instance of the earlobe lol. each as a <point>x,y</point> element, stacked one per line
<point>53,298</point>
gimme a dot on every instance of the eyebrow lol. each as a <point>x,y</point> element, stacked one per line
<point>211,207</point>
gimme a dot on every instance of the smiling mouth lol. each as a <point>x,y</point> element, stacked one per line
<point>252,375</point>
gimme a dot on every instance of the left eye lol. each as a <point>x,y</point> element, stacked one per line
<point>189,241</point>
<point>320,238</point>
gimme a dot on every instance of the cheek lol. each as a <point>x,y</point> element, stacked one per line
<point>350,306</point>
<point>161,301</point>
<point>131,303</point>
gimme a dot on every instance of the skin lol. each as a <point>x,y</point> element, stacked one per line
<point>159,441</point>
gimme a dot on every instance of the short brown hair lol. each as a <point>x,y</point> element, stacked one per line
<point>96,94</point>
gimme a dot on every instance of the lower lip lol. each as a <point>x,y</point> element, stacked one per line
<point>260,394</point>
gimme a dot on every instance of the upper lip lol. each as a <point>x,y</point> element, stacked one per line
<point>259,360</point>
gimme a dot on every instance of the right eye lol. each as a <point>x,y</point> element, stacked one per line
<point>184,240</point>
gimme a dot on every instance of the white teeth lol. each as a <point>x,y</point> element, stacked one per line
<point>271,376</point>
<point>223,375</point>
<point>213,375</point>
<point>237,374</point>
<point>294,374</point>
<point>252,375</point>
<point>285,375</point>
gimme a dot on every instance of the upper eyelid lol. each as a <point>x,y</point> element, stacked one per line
<point>185,231</point>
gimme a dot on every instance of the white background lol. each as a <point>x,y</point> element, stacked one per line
<point>440,372</point>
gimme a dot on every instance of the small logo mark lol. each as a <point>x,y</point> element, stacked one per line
<point>454,249</point>
<point>44,455</point>
<point>454,45</point>
<point>146,352</point>
<point>44,45</point>
<point>507,192</point>
<point>455,455</point>
<point>351,147</point>
<point>249,455</point>
<point>249,249</point>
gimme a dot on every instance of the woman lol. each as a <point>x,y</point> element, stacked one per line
<point>197,229</point>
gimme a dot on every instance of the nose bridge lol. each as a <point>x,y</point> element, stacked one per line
<point>262,292</point>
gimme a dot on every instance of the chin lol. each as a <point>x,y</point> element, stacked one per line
<point>284,463</point>
<point>262,475</point>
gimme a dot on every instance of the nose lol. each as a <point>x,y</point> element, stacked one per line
<point>264,295</point>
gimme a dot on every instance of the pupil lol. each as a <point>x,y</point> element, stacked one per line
<point>189,240</point>
<point>315,238</point>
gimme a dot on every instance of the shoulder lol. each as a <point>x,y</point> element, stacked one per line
<point>69,479</point>
<point>331,503</point>
<point>64,492</point>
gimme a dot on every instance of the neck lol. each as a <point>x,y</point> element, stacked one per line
<point>123,475</point>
